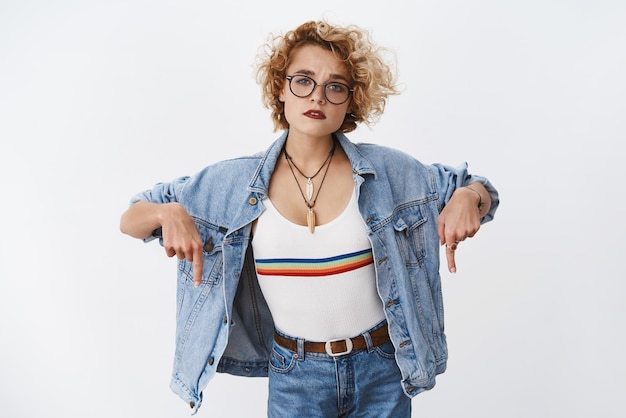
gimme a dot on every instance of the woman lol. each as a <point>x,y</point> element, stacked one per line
<point>315,262</point>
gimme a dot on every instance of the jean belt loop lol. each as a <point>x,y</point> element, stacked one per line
<point>368,341</point>
<point>300,349</point>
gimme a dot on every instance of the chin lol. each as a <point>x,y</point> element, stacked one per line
<point>317,130</point>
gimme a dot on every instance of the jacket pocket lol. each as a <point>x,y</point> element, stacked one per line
<point>212,265</point>
<point>212,238</point>
<point>409,225</point>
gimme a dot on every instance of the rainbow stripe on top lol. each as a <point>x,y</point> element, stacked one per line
<point>310,267</point>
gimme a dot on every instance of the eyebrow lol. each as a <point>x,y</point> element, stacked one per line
<point>332,76</point>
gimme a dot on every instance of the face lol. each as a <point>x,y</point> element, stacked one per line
<point>314,115</point>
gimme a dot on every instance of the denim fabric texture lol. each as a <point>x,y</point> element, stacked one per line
<point>364,383</point>
<point>224,325</point>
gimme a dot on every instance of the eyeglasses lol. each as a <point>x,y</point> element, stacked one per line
<point>334,92</point>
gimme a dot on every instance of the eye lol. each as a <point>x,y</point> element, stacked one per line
<point>303,80</point>
<point>337,87</point>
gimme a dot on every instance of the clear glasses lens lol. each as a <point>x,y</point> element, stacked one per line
<point>303,86</point>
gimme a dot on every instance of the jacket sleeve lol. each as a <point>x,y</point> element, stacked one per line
<point>448,179</point>
<point>160,193</point>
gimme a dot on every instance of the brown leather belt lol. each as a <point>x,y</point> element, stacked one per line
<point>336,347</point>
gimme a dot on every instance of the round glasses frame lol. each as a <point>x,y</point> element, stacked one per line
<point>325,86</point>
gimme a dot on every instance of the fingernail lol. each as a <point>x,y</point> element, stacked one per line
<point>453,270</point>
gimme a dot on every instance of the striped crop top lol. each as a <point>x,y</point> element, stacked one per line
<point>319,286</point>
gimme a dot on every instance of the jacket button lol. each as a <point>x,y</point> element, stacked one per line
<point>252,201</point>
<point>208,247</point>
<point>192,404</point>
<point>211,361</point>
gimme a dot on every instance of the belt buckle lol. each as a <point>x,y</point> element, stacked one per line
<point>329,349</point>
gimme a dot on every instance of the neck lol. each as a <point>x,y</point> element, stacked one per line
<point>308,152</point>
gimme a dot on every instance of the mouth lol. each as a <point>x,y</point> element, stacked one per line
<point>315,114</point>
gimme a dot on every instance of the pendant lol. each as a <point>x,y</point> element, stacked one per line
<point>310,220</point>
<point>309,189</point>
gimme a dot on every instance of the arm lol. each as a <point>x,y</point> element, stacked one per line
<point>461,217</point>
<point>180,234</point>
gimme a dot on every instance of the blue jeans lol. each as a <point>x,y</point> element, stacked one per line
<point>364,383</point>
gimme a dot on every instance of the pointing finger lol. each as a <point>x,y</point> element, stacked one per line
<point>450,249</point>
<point>197,266</point>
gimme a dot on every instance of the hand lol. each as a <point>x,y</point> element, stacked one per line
<point>458,220</point>
<point>181,238</point>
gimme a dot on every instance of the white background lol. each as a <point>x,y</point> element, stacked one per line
<point>102,99</point>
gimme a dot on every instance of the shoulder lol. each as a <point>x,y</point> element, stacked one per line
<point>233,168</point>
<point>385,158</point>
<point>372,149</point>
<point>221,180</point>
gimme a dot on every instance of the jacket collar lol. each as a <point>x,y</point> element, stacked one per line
<point>259,183</point>
<point>360,163</point>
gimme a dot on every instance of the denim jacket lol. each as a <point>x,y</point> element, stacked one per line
<point>224,325</point>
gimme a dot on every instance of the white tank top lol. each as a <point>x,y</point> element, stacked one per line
<point>319,286</point>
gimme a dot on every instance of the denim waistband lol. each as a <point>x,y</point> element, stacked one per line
<point>369,339</point>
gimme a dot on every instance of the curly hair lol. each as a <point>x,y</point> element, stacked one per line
<point>372,78</point>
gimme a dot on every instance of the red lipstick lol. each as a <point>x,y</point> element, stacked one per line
<point>315,114</point>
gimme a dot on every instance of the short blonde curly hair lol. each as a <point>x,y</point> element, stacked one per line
<point>372,77</point>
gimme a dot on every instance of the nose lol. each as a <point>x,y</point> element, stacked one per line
<point>317,95</point>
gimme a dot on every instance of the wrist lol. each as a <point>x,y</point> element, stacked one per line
<point>479,202</point>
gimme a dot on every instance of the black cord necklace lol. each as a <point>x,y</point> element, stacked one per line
<point>309,201</point>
